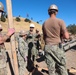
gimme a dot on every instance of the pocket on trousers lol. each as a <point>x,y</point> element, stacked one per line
<point>63,62</point>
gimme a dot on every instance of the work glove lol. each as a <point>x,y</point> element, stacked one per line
<point>11,31</point>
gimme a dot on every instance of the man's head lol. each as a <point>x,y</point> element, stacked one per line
<point>1,28</point>
<point>32,26</point>
<point>37,30</point>
<point>23,33</point>
<point>53,9</point>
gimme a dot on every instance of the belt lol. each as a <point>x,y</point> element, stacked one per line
<point>52,44</point>
<point>59,45</point>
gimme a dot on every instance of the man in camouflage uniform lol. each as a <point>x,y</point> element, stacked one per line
<point>3,38</point>
<point>53,28</point>
<point>22,53</point>
<point>38,36</point>
<point>3,57</point>
<point>31,40</point>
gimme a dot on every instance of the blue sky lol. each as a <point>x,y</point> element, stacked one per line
<point>37,9</point>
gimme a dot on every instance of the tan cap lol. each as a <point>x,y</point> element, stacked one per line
<point>1,7</point>
<point>22,32</point>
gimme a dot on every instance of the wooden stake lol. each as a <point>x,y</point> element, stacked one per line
<point>13,48</point>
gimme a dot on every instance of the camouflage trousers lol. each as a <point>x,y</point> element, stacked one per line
<point>32,51</point>
<point>22,68</point>
<point>55,60</point>
<point>3,59</point>
<point>3,71</point>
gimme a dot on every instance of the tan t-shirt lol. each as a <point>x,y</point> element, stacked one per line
<point>52,29</point>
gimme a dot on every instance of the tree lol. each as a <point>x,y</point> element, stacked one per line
<point>31,18</point>
<point>3,19</point>
<point>27,20</point>
<point>19,16</point>
<point>18,19</point>
<point>27,15</point>
<point>5,15</point>
<point>37,22</point>
<point>72,28</point>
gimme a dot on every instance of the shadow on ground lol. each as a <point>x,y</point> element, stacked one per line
<point>69,73</point>
<point>36,72</point>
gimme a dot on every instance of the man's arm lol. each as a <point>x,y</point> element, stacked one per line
<point>66,35</point>
<point>8,35</point>
<point>23,49</point>
<point>43,32</point>
<point>64,32</point>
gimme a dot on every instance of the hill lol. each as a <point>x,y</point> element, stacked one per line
<point>22,25</point>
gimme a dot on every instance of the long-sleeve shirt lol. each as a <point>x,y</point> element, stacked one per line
<point>23,48</point>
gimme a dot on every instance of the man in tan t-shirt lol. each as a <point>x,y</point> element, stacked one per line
<point>53,30</point>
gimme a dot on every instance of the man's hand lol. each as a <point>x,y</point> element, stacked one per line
<point>11,31</point>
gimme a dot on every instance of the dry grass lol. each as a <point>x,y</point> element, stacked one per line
<point>22,25</point>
